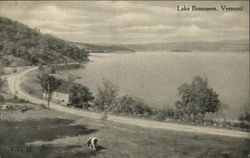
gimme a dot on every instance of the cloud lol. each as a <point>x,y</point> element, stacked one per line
<point>131,18</point>
<point>127,21</point>
<point>160,29</point>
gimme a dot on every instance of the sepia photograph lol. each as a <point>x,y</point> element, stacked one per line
<point>124,79</point>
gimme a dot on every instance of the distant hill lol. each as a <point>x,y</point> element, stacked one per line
<point>104,48</point>
<point>234,45</point>
<point>21,45</point>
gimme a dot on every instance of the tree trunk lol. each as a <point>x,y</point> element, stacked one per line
<point>48,94</point>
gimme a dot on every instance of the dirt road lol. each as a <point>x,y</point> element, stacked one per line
<point>15,80</point>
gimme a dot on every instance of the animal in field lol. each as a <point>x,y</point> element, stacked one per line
<point>92,143</point>
<point>5,107</point>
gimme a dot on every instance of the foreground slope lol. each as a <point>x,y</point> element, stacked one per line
<point>39,132</point>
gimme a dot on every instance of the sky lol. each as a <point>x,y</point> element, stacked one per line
<point>127,22</point>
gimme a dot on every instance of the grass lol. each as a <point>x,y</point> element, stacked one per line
<point>31,85</point>
<point>41,132</point>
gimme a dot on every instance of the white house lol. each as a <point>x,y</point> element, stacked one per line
<point>61,94</point>
<point>59,97</point>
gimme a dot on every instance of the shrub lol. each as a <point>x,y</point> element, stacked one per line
<point>1,70</point>
<point>43,106</point>
<point>130,105</point>
<point>245,116</point>
<point>2,100</point>
<point>80,96</point>
<point>14,70</point>
<point>241,125</point>
<point>71,78</point>
<point>5,62</point>
<point>1,83</point>
<point>197,99</point>
<point>226,155</point>
<point>160,116</point>
<point>168,112</point>
<point>15,99</point>
<point>40,67</point>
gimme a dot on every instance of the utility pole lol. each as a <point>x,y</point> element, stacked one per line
<point>48,94</point>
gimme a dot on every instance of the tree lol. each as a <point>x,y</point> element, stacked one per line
<point>49,84</point>
<point>107,95</point>
<point>80,96</point>
<point>1,83</point>
<point>197,99</point>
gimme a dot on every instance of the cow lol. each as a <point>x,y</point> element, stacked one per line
<point>5,107</point>
<point>92,143</point>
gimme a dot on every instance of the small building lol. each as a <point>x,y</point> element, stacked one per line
<point>60,95</point>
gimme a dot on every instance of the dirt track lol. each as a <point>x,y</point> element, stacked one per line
<point>15,80</point>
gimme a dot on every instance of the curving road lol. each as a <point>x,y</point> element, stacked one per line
<point>15,80</point>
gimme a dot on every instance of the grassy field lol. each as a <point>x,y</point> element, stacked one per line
<point>31,85</point>
<point>40,132</point>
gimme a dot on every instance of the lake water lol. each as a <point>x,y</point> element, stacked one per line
<point>155,77</point>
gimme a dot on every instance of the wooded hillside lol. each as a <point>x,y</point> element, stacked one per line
<point>21,45</point>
